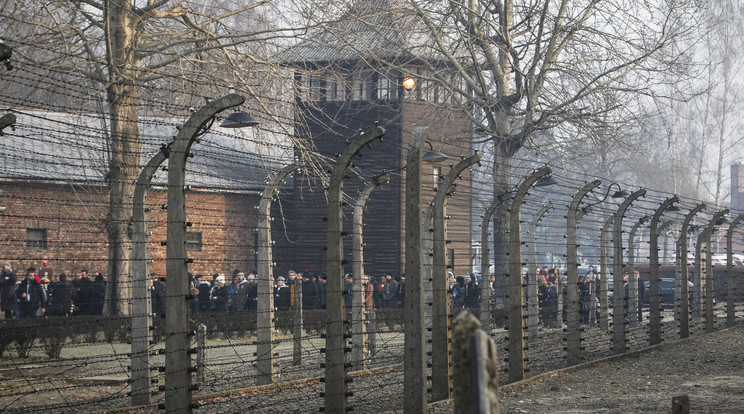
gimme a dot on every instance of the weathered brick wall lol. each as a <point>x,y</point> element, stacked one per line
<point>73,217</point>
<point>76,238</point>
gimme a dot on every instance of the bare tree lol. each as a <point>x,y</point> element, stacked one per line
<point>527,73</point>
<point>125,55</point>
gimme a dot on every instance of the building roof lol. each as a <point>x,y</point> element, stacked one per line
<point>56,146</point>
<point>369,30</point>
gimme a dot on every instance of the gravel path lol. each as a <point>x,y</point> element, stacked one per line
<point>708,368</point>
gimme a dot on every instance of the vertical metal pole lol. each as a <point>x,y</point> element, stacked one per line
<point>440,347</point>
<point>533,316</point>
<point>265,280</point>
<point>730,283</point>
<point>358,324</point>
<point>516,292</point>
<point>573,322</point>
<point>682,309</point>
<point>604,311</point>
<point>141,306</point>
<point>618,314</point>
<point>336,399</point>
<point>654,300</point>
<point>177,357</point>
<point>414,376</point>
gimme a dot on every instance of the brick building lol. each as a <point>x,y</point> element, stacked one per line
<point>56,199</point>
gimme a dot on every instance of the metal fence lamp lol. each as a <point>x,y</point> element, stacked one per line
<point>239,120</point>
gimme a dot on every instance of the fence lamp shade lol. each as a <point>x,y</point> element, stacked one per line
<point>239,120</point>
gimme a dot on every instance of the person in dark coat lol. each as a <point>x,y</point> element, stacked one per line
<point>390,292</point>
<point>59,297</point>
<point>322,291</point>
<point>349,291</point>
<point>30,296</point>
<point>239,293</point>
<point>82,298</point>
<point>220,295</point>
<point>251,293</point>
<point>158,296</point>
<point>203,298</point>
<point>551,304</point>
<point>472,292</point>
<point>282,295</point>
<point>7,286</point>
<point>401,298</point>
<point>309,292</point>
<point>376,292</point>
<point>97,295</point>
<point>585,298</point>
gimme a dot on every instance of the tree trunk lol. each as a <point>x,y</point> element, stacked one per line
<point>125,152</point>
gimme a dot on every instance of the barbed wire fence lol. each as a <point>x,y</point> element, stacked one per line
<point>54,191</point>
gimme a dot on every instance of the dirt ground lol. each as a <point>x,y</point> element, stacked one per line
<point>708,368</point>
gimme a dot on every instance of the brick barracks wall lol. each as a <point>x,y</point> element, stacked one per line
<point>72,219</point>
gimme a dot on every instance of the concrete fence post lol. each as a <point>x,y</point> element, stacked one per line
<point>654,300</point>
<point>730,282</point>
<point>604,272</point>
<point>201,352</point>
<point>573,322</point>
<point>265,279</point>
<point>682,308</point>
<point>619,313</point>
<point>177,341</point>
<point>533,309</point>
<point>358,312</point>
<point>297,324</point>
<point>440,347</point>
<point>516,291</point>
<point>336,398</point>
<point>463,327</point>
<point>141,302</point>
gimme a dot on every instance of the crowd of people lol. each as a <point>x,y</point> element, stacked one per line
<point>45,293</point>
